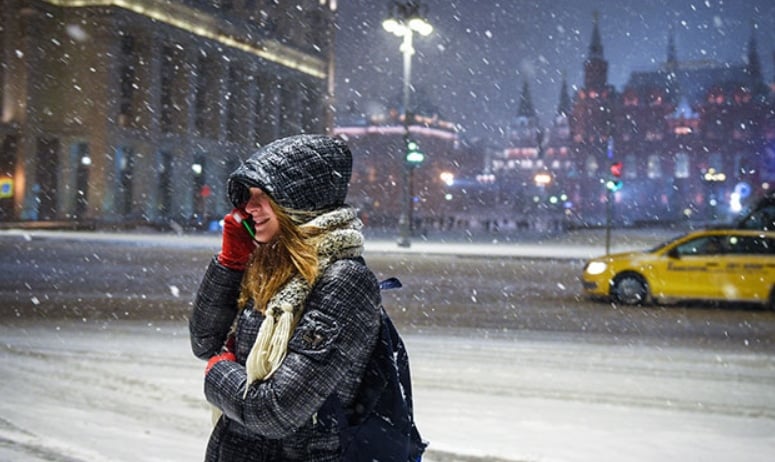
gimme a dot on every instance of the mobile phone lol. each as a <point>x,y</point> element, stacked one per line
<point>247,223</point>
<point>249,226</point>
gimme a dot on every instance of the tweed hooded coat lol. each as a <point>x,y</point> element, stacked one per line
<point>283,417</point>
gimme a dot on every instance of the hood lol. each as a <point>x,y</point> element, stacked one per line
<point>308,173</point>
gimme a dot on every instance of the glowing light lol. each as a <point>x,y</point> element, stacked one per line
<point>543,178</point>
<point>713,175</point>
<point>448,178</point>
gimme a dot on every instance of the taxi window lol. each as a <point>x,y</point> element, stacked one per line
<point>751,245</point>
<point>763,219</point>
<point>701,246</point>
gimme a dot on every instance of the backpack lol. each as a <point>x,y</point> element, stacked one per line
<point>380,426</point>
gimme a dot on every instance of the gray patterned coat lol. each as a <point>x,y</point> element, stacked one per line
<point>327,354</point>
<point>278,419</point>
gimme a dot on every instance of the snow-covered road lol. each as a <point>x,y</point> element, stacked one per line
<point>131,391</point>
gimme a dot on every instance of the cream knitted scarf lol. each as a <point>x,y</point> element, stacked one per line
<point>341,238</point>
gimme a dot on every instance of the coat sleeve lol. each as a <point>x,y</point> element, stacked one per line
<point>327,352</point>
<point>215,307</point>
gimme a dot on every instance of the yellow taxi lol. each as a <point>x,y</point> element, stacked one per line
<point>713,264</point>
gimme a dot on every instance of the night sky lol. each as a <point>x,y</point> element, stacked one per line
<point>473,66</point>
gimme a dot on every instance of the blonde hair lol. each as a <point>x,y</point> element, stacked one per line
<point>292,251</point>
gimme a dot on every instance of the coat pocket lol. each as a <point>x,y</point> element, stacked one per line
<point>315,335</point>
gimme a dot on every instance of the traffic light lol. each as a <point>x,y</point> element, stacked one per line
<point>616,169</point>
<point>614,184</point>
<point>413,154</point>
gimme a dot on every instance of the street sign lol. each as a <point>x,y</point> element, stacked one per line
<point>6,188</point>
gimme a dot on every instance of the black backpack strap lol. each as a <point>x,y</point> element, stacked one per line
<point>390,283</point>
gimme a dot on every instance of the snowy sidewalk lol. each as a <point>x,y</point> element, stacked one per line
<point>132,392</point>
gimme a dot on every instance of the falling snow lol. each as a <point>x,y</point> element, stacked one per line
<point>484,53</point>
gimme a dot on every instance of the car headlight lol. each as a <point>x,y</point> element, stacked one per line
<point>596,267</point>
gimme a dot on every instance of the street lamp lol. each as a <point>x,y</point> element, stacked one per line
<point>405,19</point>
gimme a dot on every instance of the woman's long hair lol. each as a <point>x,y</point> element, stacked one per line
<point>292,251</point>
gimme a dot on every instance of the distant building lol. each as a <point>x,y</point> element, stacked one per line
<point>532,172</point>
<point>135,112</point>
<point>695,139</point>
<point>380,168</point>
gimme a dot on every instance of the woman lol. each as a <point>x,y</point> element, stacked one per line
<point>288,319</point>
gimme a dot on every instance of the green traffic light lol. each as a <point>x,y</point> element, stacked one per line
<point>613,185</point>
<point>415,157</point>
<point>413,153</point>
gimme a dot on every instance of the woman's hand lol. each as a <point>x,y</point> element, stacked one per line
<point>237,244</point>
<point>227,356</point>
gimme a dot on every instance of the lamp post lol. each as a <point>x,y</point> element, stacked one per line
<point>405,19</point>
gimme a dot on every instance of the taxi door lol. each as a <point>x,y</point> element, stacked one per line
<point>748,269</point>
<point>692,269</point>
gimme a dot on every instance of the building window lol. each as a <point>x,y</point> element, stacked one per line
<point>265,111</point>
<point>317,30</point>
<point>630,99</point>
<point>716,96</point>
<point>630,166</point>
<point>199,171</point>
<point>311,109</point>
<point>260,107</point>
<point>654,168</point>
<point>715,162</point>
<point>165,171</point>
<point>174,89</point>
<point>46,186</point>
<point>124,160</point>
<point>81,162</point>
<point>168,66</point>
<point>206,98</point>
<point>127,81</point>
<point>289,109</point>
<point>8,147</point>
<point>236,99</point>
<point>591,166</point>
<point>682,165</point>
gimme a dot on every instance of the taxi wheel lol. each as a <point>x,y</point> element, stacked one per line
<point>629,289</point>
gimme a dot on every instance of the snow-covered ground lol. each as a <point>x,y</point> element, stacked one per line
<point>114,391</point>
<point>131,391</point>
<point>576,244</point>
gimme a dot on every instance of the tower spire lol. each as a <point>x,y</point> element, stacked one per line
<point>526,108</point>
<point>754,67</point>
<point>595,66</point>
<point>564,107</point>
<point>672,56</point>
<point>596,45</point>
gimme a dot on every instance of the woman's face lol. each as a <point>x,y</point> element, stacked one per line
<point>264,217</point>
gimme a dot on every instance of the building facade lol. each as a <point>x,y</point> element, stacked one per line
<point>136,111</point>
<point>532,176</point>
<point>381,172</point>
<point>695,139</point>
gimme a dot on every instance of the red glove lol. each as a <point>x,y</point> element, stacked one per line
<point>227,356</point>
<point>237,243</point>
